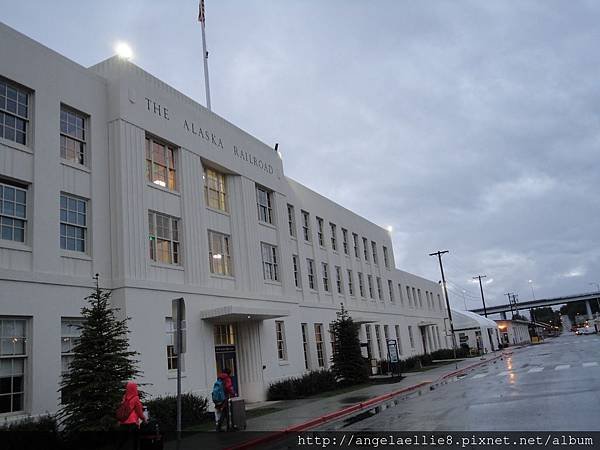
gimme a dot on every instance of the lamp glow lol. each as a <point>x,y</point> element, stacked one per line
<point>390,228</point>
<point>123,50</point>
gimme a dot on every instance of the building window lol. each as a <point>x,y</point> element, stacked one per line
<point>291,220</point>
<point>219,254</point>
<point>398,340</point>
<point>333,228</point>
<point>160,164</point>
<point>280,337</point>
<point>325,269</point>
<point>13,356</point>
<point>369,341</point>
<point>320,344</point>
<point>410,336</point>
<point>355,241</point>
<point>304,328</point>
<point>391,291</point>
<point>224,334</point>
<point>13,212</point>
<point>14,113</point>
<point>386,336</point>
<point>338,280</point>
<point>408,297</point>
<point>270,262</point>
<point>366,248</point>
<point>332,337</point>
<point>264,203</point>
<point>350,283</point>
<point>420,298</point>
<point>414,298</point>
<point>70,334</point>
<point>73,223</point>
<point>374,251</point>
<point>440,301</point>
<point>345,240</point>
<point>370,283</point>
<point>379,289</point>
<point>171,355</point>
<point>164,238</point>
<point>400,294</point>
<point>386,257</point>
<point>215,189</point>
<point>296,266</point>
<point>310,264</point>
<point>361,284</point>
<point>320,232</point>
<point>306,226</point>
<point>73,136</point>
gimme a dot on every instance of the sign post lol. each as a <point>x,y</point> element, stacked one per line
<point>392,349</point>
<point>178,312</point>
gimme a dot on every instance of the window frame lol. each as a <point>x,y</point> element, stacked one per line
<point>174,246</point>
<point>361,285</point>
<point>339,280</point>
<point>66,224</point>
<point>310,272</point>
<point>291,220</point>
<point>345,240</point>
<point>15,116</point>
<point>296,271</point>
<point>226,257</point>
<point>306,225</point>
<point>66,136</point>
<point>379,288</point>
<point>305,345</point>
<point>386,257</point>
<point>265,211</point>
<point>271,264</point>
<point>14,218</point>
<point>320,344</point>
<point>325,276</point>
<point>366,248</point>
<point>370,284</point>
<point>320,238</point>
<point>356,245</point>
<point>374,252</point>
<point>170,159</point>
<point>333,230</point>
<point>23,357</point>
<point>215,184</point>
<point>391,291</point>
<point>282,354</point>
<point>350,282</point>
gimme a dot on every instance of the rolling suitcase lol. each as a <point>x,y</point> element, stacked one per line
<point>237,413</point>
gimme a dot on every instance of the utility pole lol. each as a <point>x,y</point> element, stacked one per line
<point>439,255</point>
<point>479,277</point>
<point>508,294</point>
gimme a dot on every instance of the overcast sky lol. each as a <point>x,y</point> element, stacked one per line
<point>467,126</point>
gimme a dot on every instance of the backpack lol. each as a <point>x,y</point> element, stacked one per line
<point>218,392</point>
<point>123,412</point>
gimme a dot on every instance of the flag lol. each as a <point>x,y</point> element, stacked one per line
<point>201,16</point>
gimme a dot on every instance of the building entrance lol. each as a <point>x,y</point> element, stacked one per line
<point>225,352</point>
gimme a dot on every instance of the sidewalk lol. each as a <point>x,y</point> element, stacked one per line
<point>303,414</point>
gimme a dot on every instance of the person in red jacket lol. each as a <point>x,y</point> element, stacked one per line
<point>132,414</point>
<point>222,410</point>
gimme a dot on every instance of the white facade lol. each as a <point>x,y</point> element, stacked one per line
<point>475,331</point>
<point>514,332</point>
<point>214,227</point>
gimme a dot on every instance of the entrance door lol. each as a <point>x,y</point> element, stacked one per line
<point>225,358</point>
<point>424,339</point>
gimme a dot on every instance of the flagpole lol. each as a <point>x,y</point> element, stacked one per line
<point>205,66</point>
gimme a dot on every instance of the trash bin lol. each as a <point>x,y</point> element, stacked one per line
<point>237,413</point>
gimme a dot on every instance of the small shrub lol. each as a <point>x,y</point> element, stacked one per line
<point>299,387</point>
<point>30,433</point>
<point>163,410</point>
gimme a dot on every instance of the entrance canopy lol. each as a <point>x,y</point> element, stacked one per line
<point>240,313</point>
<point>468,319</point>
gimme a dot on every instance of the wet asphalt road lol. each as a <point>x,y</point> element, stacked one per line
<point>553,386</point>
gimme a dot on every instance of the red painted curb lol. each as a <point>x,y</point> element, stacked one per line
<point>350,409</point>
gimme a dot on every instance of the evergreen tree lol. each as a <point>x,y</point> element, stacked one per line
<point>348,364</point>
<point>93,387</point>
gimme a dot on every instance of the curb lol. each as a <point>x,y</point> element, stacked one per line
<point>353,408</point>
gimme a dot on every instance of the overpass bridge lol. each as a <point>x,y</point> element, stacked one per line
<point>503,309</point>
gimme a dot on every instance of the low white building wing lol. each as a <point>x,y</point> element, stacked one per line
<point>475,331</point>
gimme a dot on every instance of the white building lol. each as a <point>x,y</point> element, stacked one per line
<point>109,170</point>
<point>514,332</point>
<point>475,331</point>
